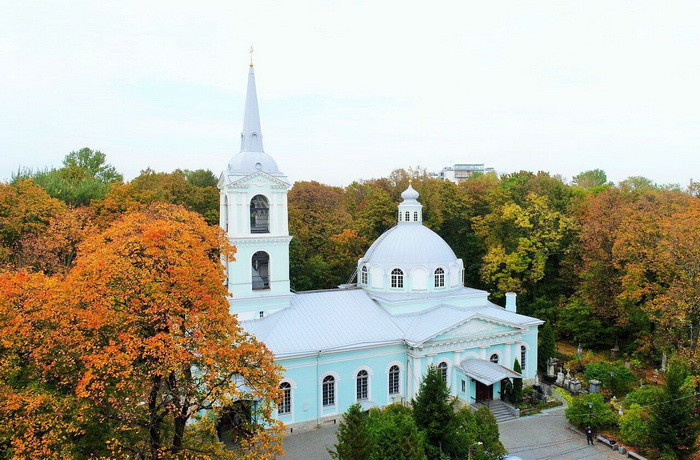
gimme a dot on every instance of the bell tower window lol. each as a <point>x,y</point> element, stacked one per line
<point>408,216</point>
<point>261,270</point>
<point>259,215</point>
<point>363,278</point>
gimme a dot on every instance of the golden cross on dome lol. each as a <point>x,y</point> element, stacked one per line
<point>251,56</point>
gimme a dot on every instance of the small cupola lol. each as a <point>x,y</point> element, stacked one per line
<point>410,209</point>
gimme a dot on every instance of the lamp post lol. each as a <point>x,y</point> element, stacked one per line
<point>479,443</point>
<point>612,381</point>
<point>590,412</point>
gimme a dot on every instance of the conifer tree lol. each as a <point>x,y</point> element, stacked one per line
<point>547,346</point>
<point>673,426</point>
<point>353,436</point>
<point>434,412</point>
<point>517,383</point>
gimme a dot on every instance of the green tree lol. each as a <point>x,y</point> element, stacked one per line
<point>354,440</point>
<point>395,434</point>
<point>635,427</point>
<point>620,382</point>
<point>201,178</point>
<point>673,424</point>
<point>547,347</point>
<point>433,410</point>
<point>85,176</point>
<point>591,179</point>
<point>600,416</point>
<point>517,383</point>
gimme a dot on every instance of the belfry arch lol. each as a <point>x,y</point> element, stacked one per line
<point>259,214</point>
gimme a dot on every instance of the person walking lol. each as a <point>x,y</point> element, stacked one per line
<point>589,435</point>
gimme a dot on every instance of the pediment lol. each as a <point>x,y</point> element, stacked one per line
<point>474,327</point>
<point>259,179</point>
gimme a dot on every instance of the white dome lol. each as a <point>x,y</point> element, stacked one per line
<point>246,163</point>
<point>408,245</point>
<point>410,193</point>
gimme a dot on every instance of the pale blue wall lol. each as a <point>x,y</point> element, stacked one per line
<point>306,376</point>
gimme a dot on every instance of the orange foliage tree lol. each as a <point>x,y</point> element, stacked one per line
<point>141,327</point>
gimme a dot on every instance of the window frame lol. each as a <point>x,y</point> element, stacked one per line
<point>362,385</point>
<point>397,276</point>
<point>286,401</point>
<point>443,367</point>
<point>523,357</point>
<point>439,276</point>
<point>328,391</point>
<point>364,277</point>
<point>394,380</point>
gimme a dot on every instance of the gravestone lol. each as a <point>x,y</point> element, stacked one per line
<point>595,386</point>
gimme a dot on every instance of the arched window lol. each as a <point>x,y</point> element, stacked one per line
<point>443,370</point>
<point>394,380</point>
<point>523,354</point>
<point>439,278</point>
<point>259,215</point>
<point>397,278</point>
<point>261,270</point>
<point>415,216</point>
<point>328,391</point>
<point>494,358</point>
<point>408,216</point>
<point>224,213</point>
<point>285,406</point>
<point>362,387</point>
<point>363,277</point>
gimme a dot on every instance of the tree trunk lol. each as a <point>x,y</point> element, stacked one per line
<point>155,421</point>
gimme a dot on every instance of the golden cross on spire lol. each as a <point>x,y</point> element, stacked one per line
<point>251,56</point>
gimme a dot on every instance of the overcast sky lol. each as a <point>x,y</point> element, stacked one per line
<point>352,90</point>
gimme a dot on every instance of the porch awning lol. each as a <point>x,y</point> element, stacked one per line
<point>487,372</point>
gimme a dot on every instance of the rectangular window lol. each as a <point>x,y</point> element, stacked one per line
<point>464,386</point>
<point>262,314</point>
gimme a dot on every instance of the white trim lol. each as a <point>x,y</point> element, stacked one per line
<point>325,374</point>
<point>403,278</point>
<point>470,354</point>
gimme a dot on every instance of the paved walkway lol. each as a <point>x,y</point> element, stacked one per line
<point>537,437</point>
<point>548,436</point>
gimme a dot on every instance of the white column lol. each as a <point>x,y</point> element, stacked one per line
<point>455,363</point>
<point>285,216</point>
<point>483,352</point>
<point>508,358</point>
<point>417,370</point>
<point>245,206</point>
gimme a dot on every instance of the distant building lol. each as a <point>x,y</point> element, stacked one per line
<point>459,172</point>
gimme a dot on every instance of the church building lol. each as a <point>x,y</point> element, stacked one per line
<point>369,342</point>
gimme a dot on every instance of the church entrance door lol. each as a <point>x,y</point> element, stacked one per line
<point>484,392</point>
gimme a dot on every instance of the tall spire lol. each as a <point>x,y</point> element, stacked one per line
<point>251,137</point>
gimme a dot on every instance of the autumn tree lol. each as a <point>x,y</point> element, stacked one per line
<point>25,211</point>
<point>150,291</point>
<point>592,179</point>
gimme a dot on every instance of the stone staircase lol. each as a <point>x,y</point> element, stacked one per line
<point>499,410</point>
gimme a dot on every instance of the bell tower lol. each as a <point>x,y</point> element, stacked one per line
<point>253,212</point>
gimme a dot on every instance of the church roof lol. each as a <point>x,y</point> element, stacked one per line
<point>410,244</point>
<point>345,319</point>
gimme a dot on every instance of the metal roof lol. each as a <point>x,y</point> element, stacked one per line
<point>344,319</point>
<point>486,372</point>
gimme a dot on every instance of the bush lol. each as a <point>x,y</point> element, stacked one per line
<point>621,383</point>
<point>601,416</point>
<point>643,396</point>
<point>634,426</point>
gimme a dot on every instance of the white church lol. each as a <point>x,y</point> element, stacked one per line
<point>370,342</point>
